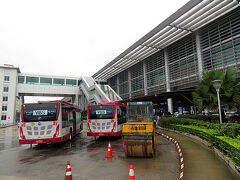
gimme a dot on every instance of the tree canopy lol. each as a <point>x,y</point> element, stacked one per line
<point>205,95</point>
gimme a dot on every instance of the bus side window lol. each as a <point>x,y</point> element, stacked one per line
<point>79,117</point>
<point>71,116</point>
<point>121,114</point>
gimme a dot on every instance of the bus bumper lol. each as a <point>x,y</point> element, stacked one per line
<point>104,133</point>
<point>41,141</point>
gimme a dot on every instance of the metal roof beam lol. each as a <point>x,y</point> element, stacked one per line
<point>199,12</point>
<point>138,52</point>
<point>172,30</point>
<point>174,39</point>
<point>191,12</point>
<point>169,37</point>
<point>153,47</point>
<point>187,7</point>
<point>148,54</point>
<point>212,16</point>
<point>181,28</point>
<point>166,29</point>
<point>210,11</point>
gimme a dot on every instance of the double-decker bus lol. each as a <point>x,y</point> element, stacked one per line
<point>49,122</point>
<point>106,119</point>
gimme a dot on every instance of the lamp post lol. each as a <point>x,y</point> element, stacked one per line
<point>217,84</point>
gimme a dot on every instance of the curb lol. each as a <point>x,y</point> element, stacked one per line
<point>179,153</point>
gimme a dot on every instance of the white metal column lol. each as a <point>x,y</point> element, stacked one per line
<point>129,84</point>
<point>168,89</point>
<point>117,84</point>
<point>145,77</point>
<point>199,55</point>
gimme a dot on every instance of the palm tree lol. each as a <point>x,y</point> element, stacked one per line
<point>205,95</point>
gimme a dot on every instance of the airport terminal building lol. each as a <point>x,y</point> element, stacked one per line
<point>163,66</point>
<point>166,63</point>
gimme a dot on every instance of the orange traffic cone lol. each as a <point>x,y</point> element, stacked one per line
<point>68,174</point>
<point>131,173</point>
<point>109,151</point>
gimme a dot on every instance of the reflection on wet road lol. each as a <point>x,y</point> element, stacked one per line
<point>87,158</point>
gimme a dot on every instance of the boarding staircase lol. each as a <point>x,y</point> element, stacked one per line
<point>96,92</point>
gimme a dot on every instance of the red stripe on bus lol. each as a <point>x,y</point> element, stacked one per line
<point>21,132</point>
<point>104,133</point>
<point>57,130</point>
<point>58,110</point>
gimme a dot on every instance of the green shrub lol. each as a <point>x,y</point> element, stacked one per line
<point>234,142</point>
<point>226,144</point>
<point>206,118</point>
<point>234,119</point>
<point>228,129</point>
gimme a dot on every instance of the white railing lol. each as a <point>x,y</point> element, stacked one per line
<point>96,93</point>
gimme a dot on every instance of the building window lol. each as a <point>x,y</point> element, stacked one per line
<point>71,82</point>
<point>32,80</point>
<point>20,79</point>
<point>5,89</point>
<point>79,82</point>
<point>6,78</point>
<point>45,81</point>
<point>3,117</point>
<point>5,98</point>
<point>4,108</point>
<point>59,82</point>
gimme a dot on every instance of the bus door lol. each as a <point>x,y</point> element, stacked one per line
<point>74,122</point>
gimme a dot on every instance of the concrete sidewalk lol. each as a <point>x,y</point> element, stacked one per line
<point>200,162</point>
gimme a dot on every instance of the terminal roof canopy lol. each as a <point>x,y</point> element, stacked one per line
<point>189,18</point>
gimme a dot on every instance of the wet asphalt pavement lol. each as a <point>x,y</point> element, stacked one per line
<point>87,158</point>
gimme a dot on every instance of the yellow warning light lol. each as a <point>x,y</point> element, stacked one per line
<point>32,124</point>
<point>96,121</point>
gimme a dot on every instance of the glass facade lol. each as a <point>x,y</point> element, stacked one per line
<point>71,82</point>
<point>21,79</point>
<point>113,83</point>
<point>155,71</point>
<point>48,81</point>
<point>123,84</point>
<point>32,80</point>
<point>220,41</point>
<point>58,82</point>
<point>137,77</point>
<point>45,81</point>
<point>219,48</point>
<point>182,59</point>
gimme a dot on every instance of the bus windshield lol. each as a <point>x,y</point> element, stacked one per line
<point>40,112</point>
<point>140,113</point>
<point>101,111</point>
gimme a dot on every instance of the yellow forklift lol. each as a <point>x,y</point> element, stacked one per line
<point>138,134</point>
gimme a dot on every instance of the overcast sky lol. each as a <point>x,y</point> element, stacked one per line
<point>74,38</point>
